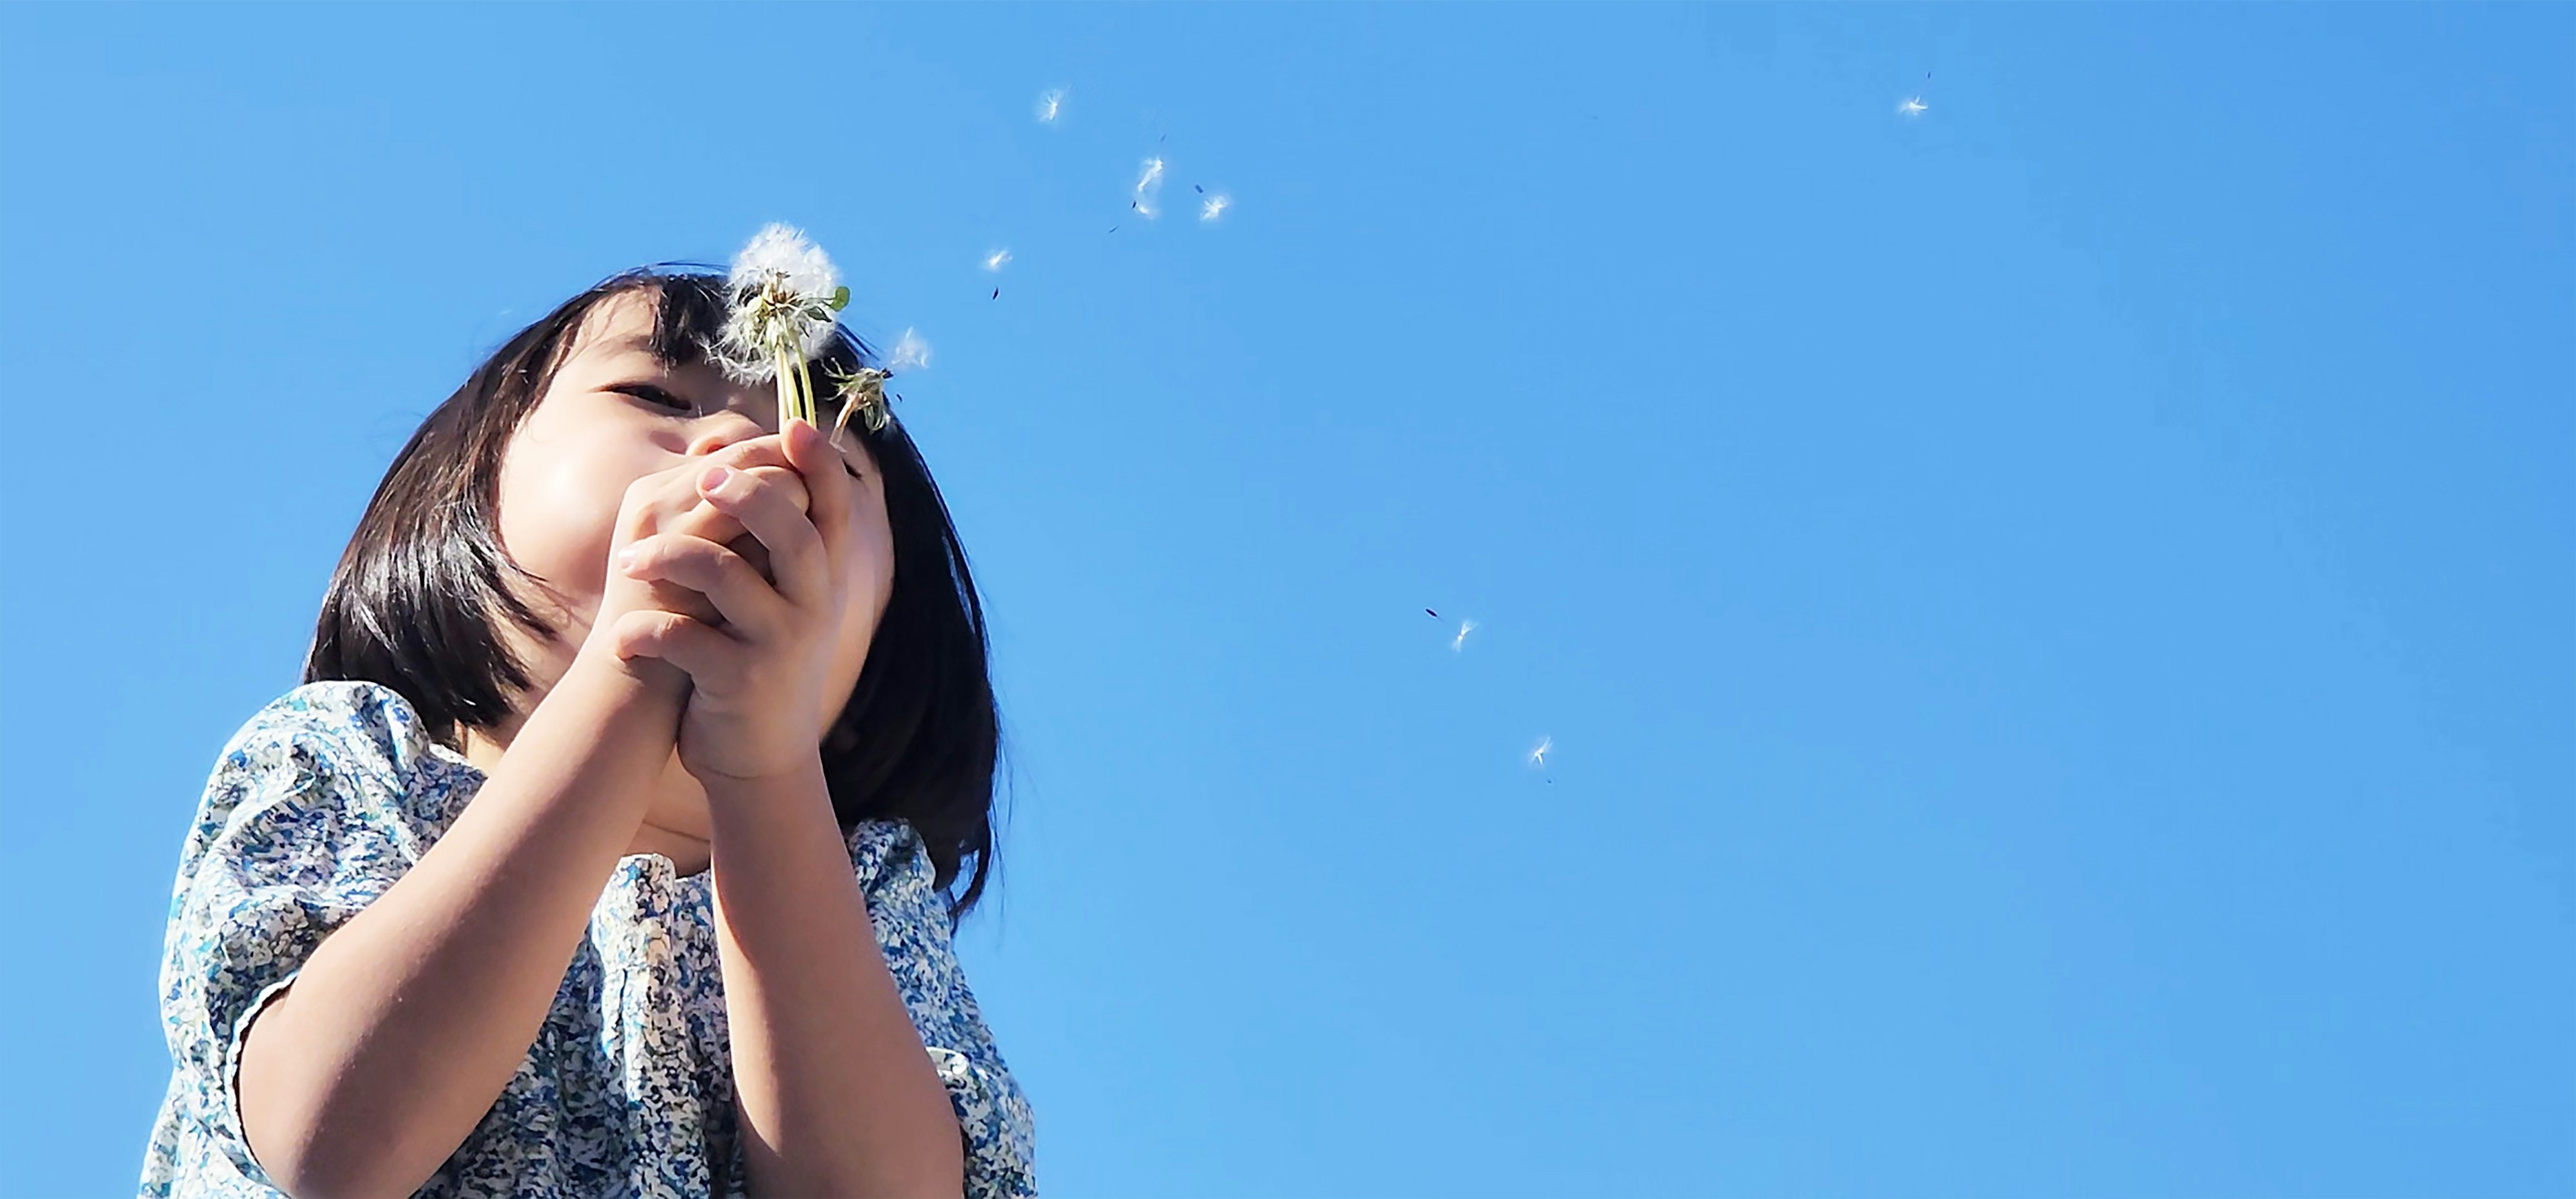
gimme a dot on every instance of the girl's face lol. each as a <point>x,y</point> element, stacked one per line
<point>614,414</point>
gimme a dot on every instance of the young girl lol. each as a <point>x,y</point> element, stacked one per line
<point>629,717</point>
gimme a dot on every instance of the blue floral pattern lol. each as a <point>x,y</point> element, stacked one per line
<point>330,793</point>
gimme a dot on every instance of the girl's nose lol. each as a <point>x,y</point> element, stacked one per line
<point>723,429</point>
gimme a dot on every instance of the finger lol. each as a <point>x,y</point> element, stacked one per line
<point>750,608</point>
<point>789,481</point>
<point>826,470</point>
<point>713,661</point>
<point>752,452</point>
<point>796,555</point>
<point>672,597</point>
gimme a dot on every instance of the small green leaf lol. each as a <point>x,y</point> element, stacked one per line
<point>840,298</point>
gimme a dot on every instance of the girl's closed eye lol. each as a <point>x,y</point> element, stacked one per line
<point>656,396</point>
<point>663,398</point>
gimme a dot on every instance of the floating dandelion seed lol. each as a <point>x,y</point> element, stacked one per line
<point>1538,757</point>
<point>1209,209</point>
<point>1148,185</point>
<point>910,353</point>
<point>1464,627</point>
<point>1049,105</point>
<point>1913,106</point>
<point>995,260</point>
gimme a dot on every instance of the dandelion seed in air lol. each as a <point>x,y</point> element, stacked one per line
<point>1538,757</point>
<point>1148,185</point>
<point>1464,627</point>
<point>1913,106</point>
<point>1209,208</point>
<point>910,353</point>
<point>996,260</point>
<point>1050,105</point>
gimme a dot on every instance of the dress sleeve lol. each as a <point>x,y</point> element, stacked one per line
<point>911,918</point>
<point>302,825</point>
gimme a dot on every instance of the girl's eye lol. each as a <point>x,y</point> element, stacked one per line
<point>655,396</point>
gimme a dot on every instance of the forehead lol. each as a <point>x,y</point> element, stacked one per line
<point>618,325</point>
<point>616,337</point>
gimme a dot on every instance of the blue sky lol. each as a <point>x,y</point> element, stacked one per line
<point>2056,616</point>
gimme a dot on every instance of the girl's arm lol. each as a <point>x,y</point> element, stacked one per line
<point>364,1074</point>
<point>837,1092</point>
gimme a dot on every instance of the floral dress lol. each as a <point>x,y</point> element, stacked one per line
<point>323,800</point>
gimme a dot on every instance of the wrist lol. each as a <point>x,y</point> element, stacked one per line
<point>598,659</point>
<point>793,802</point>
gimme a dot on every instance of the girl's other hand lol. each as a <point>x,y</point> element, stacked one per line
<point>761,671</point>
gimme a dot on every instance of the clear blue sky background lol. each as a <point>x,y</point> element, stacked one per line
<point>2057,616</point>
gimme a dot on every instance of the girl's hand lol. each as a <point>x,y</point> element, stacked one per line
<point>668,502</point>
<point>757,709</point>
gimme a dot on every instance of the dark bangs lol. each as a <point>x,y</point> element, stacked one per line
<point>417,598</point>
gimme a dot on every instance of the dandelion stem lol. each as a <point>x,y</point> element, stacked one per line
<point>804,391</point>
<point>786,389</point>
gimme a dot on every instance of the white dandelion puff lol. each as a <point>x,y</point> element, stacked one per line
<point>1213,205</point>
<point>910,353</point>
<point>1538,755</point>
<point>784,307</point>
<point>1460,642</point>
<point>995,260</point>
<point>1050,105</point>
<point>782,254</point>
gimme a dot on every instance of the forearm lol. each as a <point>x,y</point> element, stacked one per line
<point>404,1026</point>
<point>836,1090</point>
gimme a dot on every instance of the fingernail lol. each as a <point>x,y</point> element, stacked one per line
<point>626,558</point>
<point>715,479</point>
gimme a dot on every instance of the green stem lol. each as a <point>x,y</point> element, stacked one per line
<point>786,389</point>
<point>805,391</point>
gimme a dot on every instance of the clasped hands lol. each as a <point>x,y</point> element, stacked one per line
<point>736,569</point>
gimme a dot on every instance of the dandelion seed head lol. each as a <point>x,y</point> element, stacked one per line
<point>1050,104</point>
<point>784,289</point>
<point>1538,755</point>
<point>910,352</point>
<point>783,254</point>
<point>1213,205</point>
<point>995,260</point>
<point>1464,627</point>
<point>1913,106</point>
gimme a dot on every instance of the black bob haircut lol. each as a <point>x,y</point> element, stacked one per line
<point>414,600</point>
